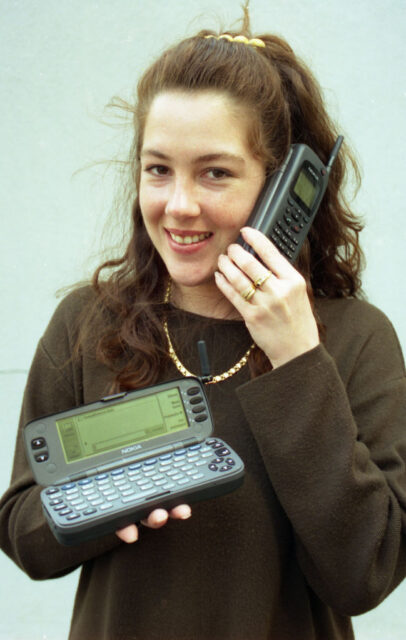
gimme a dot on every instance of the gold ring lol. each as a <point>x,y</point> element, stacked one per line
<point>259,281</point>
<point>248,293</point>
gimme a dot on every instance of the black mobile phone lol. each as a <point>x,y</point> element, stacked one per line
<point>290,199</point>
<point>108,464</point>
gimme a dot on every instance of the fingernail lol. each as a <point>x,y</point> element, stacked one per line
<point>132,536</point>
<point>161,516</point>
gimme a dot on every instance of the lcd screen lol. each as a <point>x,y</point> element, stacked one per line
<point>126,423</point>
<point>305,189</point>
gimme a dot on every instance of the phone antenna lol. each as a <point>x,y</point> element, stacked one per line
<point>334,152</point>
<point>204,362</point>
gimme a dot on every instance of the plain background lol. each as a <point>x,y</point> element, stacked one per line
<point>61,62</point>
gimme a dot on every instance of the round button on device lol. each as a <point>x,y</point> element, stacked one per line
<point>192,391</point>
<point>201,417</point>
<point>199,408</point>
<point>41,457</point>
<point>38,443</point>
<point>223,451</point>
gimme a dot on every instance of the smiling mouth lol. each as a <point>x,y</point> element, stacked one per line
<point>190,239</point>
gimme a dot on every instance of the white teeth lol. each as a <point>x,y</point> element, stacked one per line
<point>189,239</point>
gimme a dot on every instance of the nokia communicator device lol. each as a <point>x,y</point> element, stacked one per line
<point>108,464</point>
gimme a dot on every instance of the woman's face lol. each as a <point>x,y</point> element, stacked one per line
<point>199,180</point>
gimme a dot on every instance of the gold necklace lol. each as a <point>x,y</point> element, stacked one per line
<point>182,369</point>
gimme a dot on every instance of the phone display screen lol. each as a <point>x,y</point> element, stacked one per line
<point>305,188</point>
<point>123,424</point>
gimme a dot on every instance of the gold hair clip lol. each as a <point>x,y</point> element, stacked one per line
<point>254,42</point>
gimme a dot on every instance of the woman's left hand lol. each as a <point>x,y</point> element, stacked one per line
<point>278,316</point>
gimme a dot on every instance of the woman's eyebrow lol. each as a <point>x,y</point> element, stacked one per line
<point>153,152</point>
<point>207,157</point>
<point>222,155</point>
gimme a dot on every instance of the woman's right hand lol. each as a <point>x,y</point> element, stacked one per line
<point>156,519</point>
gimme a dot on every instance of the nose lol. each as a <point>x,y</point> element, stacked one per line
<point>182,199</point>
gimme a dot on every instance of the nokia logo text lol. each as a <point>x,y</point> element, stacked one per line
<point>131,449</point>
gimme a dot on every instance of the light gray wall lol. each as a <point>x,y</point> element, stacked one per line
<point>61,61</point>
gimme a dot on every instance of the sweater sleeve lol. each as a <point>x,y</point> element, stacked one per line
<point>334,445</point>
<point>53,385</point>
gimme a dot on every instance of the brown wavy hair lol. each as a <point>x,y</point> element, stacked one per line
<point>285,106</point>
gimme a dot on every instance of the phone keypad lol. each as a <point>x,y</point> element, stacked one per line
<point>286,231</point>
<point>136,482</point>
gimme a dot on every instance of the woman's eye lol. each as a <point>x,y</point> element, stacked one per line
<point>157,170</point>
<point>217,174</point>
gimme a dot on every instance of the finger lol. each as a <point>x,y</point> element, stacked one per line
<point>181,512</point>
<point>235,276</point>
<point>156,519</point>
<point>267,252</point>
<point>243,286</point>
<point>128,534</point>
<point>159,517</point>
<point>232,294</point>
<point>249,264</point>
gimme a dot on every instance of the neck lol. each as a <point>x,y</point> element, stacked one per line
<point>203,299</point>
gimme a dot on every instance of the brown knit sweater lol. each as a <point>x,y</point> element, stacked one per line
<point>317,533</point>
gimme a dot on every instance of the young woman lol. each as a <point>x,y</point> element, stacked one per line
<point>309,382</point>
